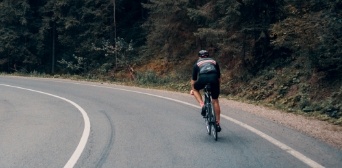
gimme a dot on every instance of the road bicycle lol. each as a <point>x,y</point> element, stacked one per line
<point>210,117</point>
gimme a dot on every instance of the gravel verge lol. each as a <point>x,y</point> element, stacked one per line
<point>327,132</point>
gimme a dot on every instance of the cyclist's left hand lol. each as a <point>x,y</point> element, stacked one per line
<point>192,92</point>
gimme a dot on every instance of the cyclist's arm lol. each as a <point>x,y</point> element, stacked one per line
<point>192,87</point>
<point>218,70</point>
<point>194,77</point>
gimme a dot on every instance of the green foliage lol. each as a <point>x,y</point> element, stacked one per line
<point>269,50</point>
<point>17,44</point>
<point>169,31</point>
<point>151,78</point>
<point>314,35</point>
<point>32,32</point>
<point>120,55</point>
<point>77,65</point>
<point>333,108</point>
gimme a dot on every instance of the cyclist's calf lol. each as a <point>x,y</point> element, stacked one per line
<point>217,109</point>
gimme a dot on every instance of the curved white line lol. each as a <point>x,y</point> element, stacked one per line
<point>277,143</point>
<point>81,145</point>
<point>281,145</point>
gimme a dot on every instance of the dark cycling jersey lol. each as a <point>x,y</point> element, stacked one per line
<point>207,70</point>
<point>205,66</point>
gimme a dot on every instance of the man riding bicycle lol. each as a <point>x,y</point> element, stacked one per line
<point>206,70</point>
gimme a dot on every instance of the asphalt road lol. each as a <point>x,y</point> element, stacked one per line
<point>62,123</point>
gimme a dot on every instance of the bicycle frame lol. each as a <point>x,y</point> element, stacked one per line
<point>210,117</point>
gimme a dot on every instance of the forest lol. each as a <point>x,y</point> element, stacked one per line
<point>280,53</point>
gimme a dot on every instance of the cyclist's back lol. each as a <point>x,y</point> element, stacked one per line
<point>206,70</point>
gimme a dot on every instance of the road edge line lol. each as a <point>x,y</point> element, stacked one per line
<point>277,143</point>
<point>86,131</point>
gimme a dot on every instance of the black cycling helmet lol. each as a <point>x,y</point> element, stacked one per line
<point>203,53</point>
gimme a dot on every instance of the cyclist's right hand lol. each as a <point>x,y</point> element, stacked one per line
<point>191,92</point>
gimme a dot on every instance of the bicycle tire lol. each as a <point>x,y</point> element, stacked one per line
<point>208,119</point>
<point>213,123</point>
<point>208,126</point>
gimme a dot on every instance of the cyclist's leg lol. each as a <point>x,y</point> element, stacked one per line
<point>217,109</point>
<point>215,94</point>
<point>198,97</point>
<point>197,87</point>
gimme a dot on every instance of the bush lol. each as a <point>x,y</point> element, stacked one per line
<point>150,78</point>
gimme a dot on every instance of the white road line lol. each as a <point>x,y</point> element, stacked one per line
<point>277,143</point>
<point>281,145</point>
<point>77,153</point>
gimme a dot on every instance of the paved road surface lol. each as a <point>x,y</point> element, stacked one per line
<point>44,123</point>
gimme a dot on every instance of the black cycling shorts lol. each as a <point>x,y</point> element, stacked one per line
<point>204,79</point>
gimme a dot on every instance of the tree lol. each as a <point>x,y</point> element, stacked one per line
<point>169,31</point>
<point>36,34</point>
<point>17,44</point>
<point>74,26</point>
<point>313,35</point>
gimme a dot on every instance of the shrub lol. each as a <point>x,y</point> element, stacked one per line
<point>150,78</point>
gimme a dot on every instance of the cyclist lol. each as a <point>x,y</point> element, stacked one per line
<point>206,70</point>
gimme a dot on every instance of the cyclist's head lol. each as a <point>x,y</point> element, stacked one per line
<point>203,53</point>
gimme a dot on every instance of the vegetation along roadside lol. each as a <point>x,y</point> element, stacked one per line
<point>282,54</point>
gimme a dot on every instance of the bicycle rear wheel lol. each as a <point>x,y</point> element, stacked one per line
<point>208,119</point>
<point>208,126</point>
<point>213,123</point>
<point>213,131</point>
